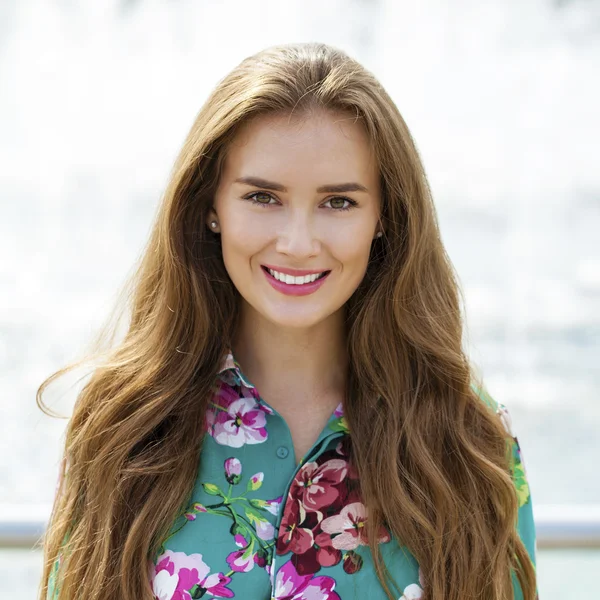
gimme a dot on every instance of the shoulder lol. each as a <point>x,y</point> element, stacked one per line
<point>525,520</point>
<point>497,407</point>
<point>517,464</point>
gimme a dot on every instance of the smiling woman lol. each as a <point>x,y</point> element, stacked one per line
<point>304,159</point>
<point>290,415</point>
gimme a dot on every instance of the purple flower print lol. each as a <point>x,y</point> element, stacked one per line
<point>177,573</point>
<point>273,505</point>
<point>233,420</point>
<point>289,585</point>
<point>233,470</point>
<point>264,529</point>
<point>244,560</point>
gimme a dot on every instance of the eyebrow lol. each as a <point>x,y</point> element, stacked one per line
<point>324,189</point>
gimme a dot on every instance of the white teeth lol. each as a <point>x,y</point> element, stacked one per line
<point>290,279</point>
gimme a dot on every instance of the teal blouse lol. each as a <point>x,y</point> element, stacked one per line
<point>261,527</point>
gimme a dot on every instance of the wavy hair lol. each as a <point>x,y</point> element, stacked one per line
<point>431,456</point>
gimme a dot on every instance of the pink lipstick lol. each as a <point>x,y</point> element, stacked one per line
<point>292,289</point>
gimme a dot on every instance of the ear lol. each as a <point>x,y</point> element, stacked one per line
<point>211,216</point>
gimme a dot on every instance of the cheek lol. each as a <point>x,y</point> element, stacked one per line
<point>243,237</point>
<point>351,247</point>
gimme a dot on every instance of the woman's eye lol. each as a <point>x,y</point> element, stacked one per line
<point>338,203</point>
<point>253,197</point>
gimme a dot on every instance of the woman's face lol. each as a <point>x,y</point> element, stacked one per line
<point>297,220</point>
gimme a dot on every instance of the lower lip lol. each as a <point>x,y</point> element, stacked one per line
<point>295,290</point>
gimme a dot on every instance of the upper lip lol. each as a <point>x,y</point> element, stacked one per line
<point>295,272</point>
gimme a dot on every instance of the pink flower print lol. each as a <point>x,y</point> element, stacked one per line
<point>233,470</point>
<point>233,420</point>
<point>339,410</point>
<point>242,560</point>
<point>176,573</point>
<point>348,527</point>
<point>289,585</point>
<point>314,484</point>
<point>255,481</point>
<point>196,508</point>
<point>216,584</point>
<point>265,408</point>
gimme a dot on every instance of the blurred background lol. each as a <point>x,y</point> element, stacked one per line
<point>502,99</point>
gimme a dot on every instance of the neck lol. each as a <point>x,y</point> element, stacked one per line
<point>286,364</point>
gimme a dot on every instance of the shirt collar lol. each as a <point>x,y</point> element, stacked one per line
<point>230,367</point>
<point>230,363</point>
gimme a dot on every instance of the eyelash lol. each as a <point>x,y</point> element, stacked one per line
<point>249,197</point>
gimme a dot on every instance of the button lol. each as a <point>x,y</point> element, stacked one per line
<point>282,451</point>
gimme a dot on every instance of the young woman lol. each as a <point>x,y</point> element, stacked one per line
<point>291,414</point>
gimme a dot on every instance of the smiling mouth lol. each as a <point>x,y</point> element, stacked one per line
<point>320,276</point>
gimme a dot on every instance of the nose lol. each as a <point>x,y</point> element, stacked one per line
<point>298,237</point>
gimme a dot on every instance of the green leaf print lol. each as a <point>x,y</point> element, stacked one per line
<point>245,514</point>
<point>339,425</point>
<point>521,484</point>
<point>197,592</point>
<point>257,503</point>
<point>238,529</point>
<point>212,489</point>
<point>253,516</point>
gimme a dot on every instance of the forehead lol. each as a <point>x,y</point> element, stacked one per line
<point>319,147</point>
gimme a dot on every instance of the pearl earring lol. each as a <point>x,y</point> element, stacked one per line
<point>379,234</point>
<point>213,224</point>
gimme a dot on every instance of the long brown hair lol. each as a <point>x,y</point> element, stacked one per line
<point>431,456</point>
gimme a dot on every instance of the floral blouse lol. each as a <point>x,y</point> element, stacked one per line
<point>260,527</point>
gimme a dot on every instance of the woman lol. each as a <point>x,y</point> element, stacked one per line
<point>290,414</point>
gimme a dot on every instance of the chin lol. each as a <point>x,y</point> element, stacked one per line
<point>299,320</point>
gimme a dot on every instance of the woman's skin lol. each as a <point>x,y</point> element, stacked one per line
<point>293,348</point>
